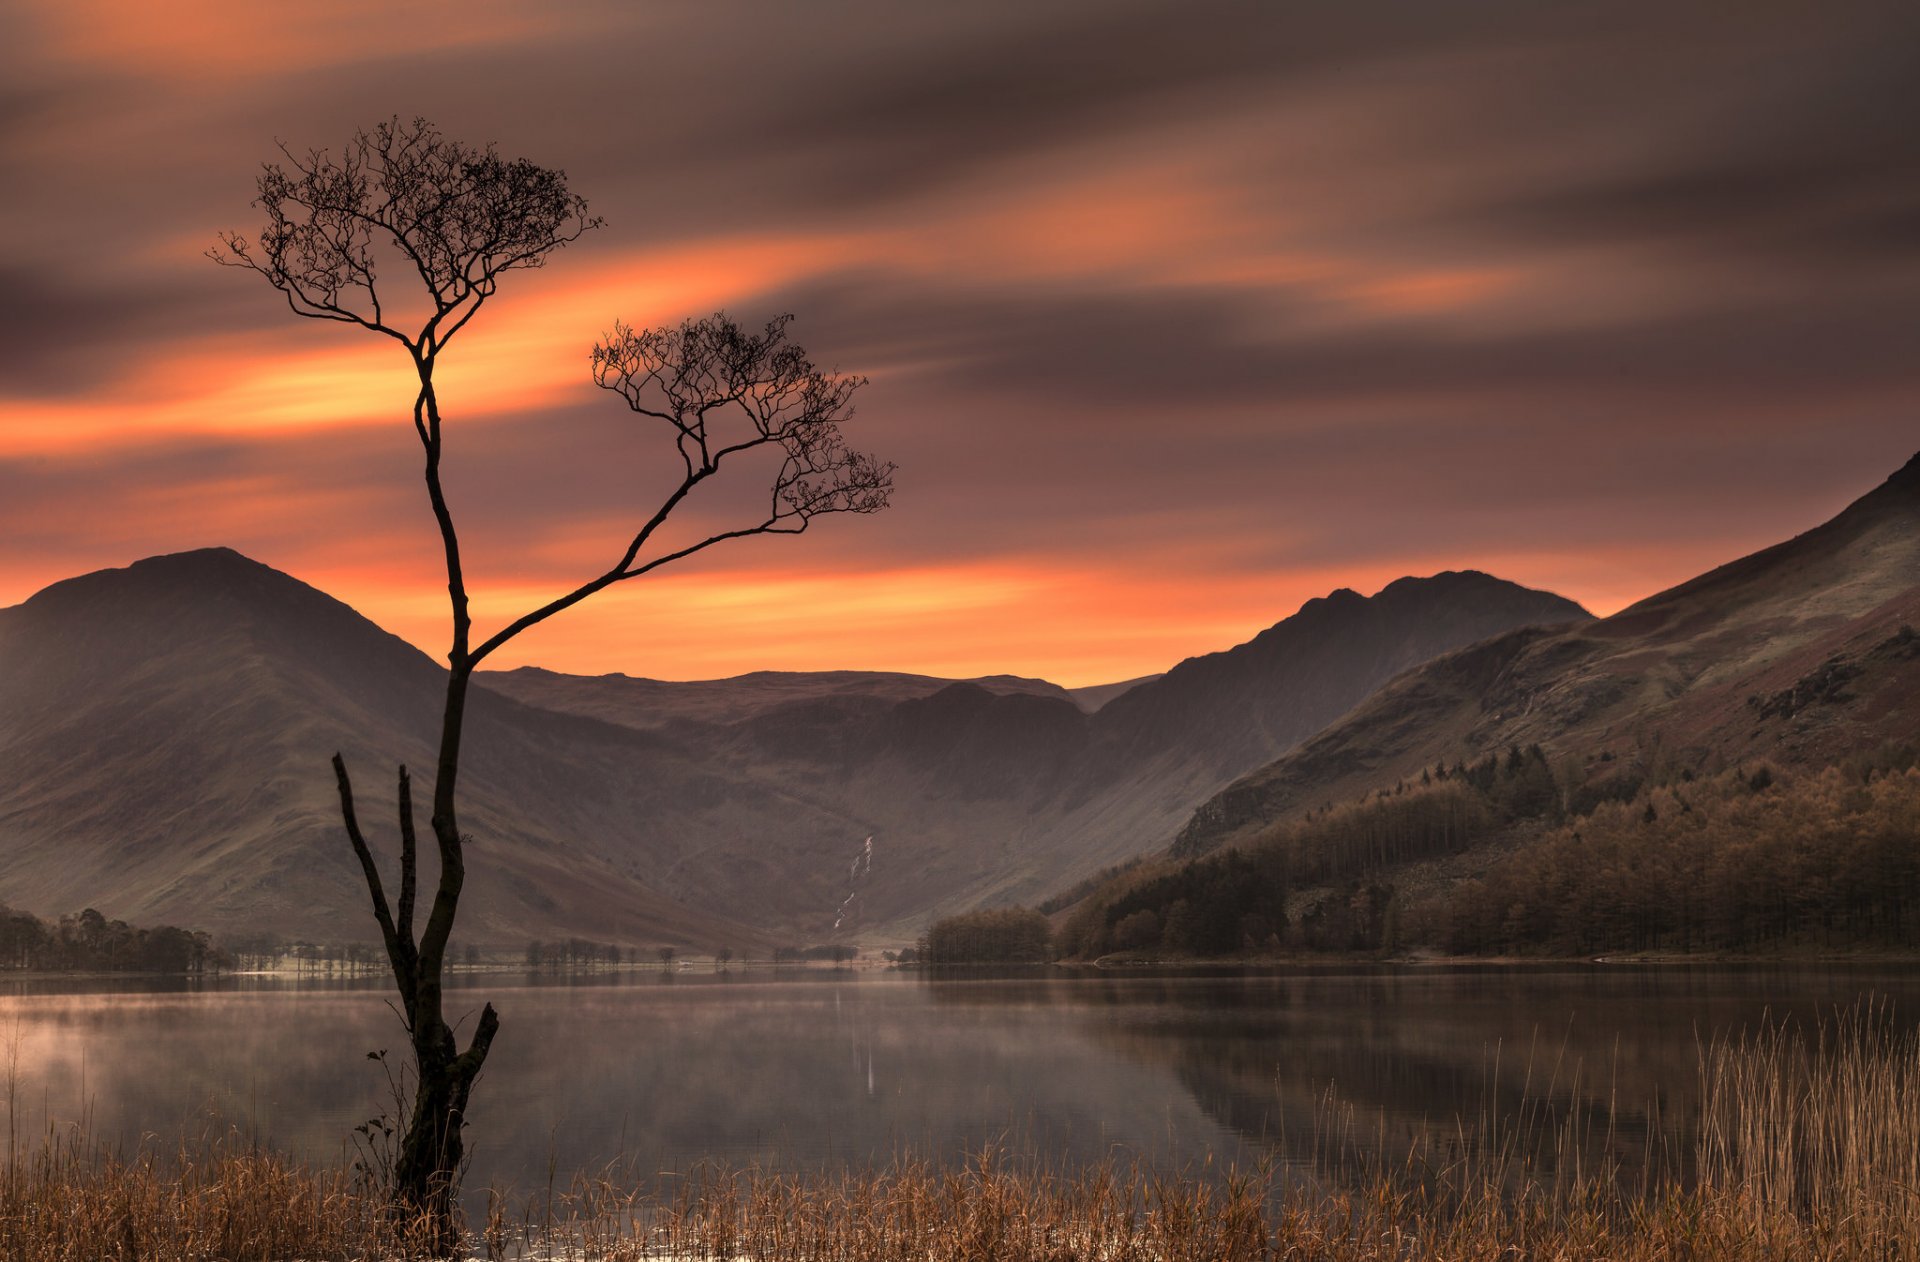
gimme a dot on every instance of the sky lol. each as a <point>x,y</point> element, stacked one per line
<point>1175,315</point>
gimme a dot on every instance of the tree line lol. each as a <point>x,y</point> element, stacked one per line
<point>580,955</point>
<point>1747,859</point>
<point>87,941</point>
<point>576,954</point>
<point>1001,935</point>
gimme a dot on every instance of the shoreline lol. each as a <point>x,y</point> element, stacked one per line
<point>1105,963</point>
<point>1116,962</point>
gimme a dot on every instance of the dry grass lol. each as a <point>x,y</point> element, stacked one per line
<point>917,1212</point>
<point>1826,1131</point>
<point>68,1199</point>
<point>1809,1148</point>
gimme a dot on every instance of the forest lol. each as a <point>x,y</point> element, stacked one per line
<point>1510,856</point>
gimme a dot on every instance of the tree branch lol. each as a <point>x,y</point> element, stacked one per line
<point>688,375</point>
<point>409,859</point>
<point>476,1053</point>
<point>604,580</point>
<point>399,958</point>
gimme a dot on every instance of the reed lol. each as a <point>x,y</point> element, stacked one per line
<point>1808,1147</point>
<point>67,1198</point>
<point>1826,1129</point>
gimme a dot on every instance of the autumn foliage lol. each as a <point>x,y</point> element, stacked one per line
<point>1508,856</point>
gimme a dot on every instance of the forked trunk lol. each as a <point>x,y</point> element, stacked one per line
<point>426,1173</point>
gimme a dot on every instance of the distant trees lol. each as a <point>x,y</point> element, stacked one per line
<point>257,950</point>
<point>89,942</point>
<point>569,955</point>
<point>408,234</point>
<point>1004,935</point>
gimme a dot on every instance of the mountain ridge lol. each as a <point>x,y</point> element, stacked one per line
<point>169,723</point>
<point>1688,673</point>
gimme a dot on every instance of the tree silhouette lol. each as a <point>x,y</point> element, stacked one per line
<point>446,221</point>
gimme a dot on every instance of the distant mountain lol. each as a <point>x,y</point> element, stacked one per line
<point>651,704</point>
<point>1093,696</point>
<point>165,730</point>
<point>1802,653</point>
<point>1243,707</point>
<point>1000,790</point>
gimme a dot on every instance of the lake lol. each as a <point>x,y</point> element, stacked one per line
<point>815,1068</point>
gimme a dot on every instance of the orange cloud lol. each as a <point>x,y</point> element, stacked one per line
<point>1428,292</point>
<point>524,352</point>
<point>1166,204</point>
<point>192,40</point>
<point>1147,225</point>
<point>220,385</point>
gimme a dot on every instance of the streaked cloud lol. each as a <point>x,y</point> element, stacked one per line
<point>1176,315</point>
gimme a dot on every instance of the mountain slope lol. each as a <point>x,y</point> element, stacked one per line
<point>165,730</point>
<point>993,791</point>
<point>1247,705</point>
<point>1094,696</point>
<point>1801,652</point>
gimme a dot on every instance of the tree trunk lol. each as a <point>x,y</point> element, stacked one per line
<point>427,1174</point>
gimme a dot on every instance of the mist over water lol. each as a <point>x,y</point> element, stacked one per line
<point>811,1069</point>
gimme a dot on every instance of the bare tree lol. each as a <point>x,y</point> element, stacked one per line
<point>448,221</point>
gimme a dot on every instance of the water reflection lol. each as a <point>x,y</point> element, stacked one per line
<point>815,1069</point>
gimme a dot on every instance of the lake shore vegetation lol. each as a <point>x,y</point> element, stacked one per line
<point>1807,1145</point>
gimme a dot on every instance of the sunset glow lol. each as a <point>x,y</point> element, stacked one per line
<point>1223,320</point>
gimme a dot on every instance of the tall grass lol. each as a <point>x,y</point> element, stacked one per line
<point>984,1210</point>
<point>1825,1129</point>
<point>1559,1145</point>
<point>68,1199</point>
<point>1808,1147</point>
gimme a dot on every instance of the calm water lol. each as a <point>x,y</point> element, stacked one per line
<point>813,1068</point>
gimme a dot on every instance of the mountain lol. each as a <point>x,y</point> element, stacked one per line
<point>1000,790</point>
<point>1802,653</point>
<point>166,729</point>
<point>1245,706</point>
<point>653,704</point>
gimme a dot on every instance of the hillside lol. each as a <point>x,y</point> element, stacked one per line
<point>1249,704</point>
<point>1501,857</point>
<point>1796,654</point>
<point>166,729</point>
<point>999,790</point>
